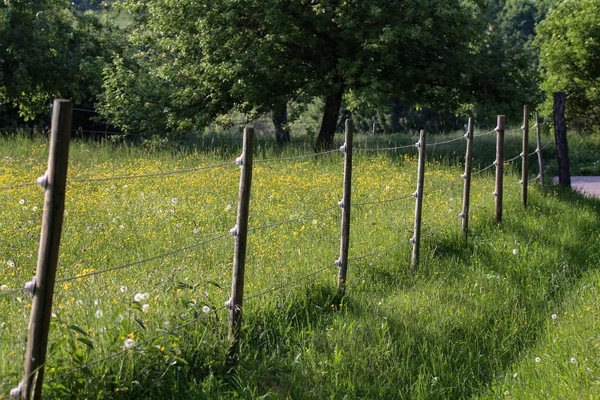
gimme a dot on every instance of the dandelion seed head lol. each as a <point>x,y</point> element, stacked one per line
<point>22,201</point>
<point>573,360</point>
<point>206,309</point>
<point>145,308</point>
<point>99,314</point>
<point>537,359</point>
<point>128,343</point>
<point>554,316</point>
<point>123,289</point>
<point>10,263</point>
<point>515,251</point>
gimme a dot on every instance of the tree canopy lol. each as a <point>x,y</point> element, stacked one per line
<point>569,42</point>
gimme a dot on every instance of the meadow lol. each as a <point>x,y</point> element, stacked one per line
<point>511,312</point>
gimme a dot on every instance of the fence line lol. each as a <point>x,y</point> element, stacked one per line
<point>231,305</point>
<point>377,202</point>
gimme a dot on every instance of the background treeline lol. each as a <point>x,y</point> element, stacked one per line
<point>169,69</point>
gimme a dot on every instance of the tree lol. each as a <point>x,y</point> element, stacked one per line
<point>569,42</point>
<point>252,55</point>
<point>49,51</point>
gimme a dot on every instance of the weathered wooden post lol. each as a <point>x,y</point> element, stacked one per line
<point>525,156</point>
<point>467,177</point>
<point>240,233</point>
<point>42,288</point>
<point>342,262</point>
<point>416,239</point>
<point>560,136</point>
<point>499,168</point>
<point>538,150</point>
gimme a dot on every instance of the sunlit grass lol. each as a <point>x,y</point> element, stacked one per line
<point>468,322</point>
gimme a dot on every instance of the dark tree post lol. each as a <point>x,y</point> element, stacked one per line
<point>538,150</point>
<point>560,136</point>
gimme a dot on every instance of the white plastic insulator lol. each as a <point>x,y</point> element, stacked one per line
<point>495,162</point>
<point>228,304</point>
<point>343,148</point>
<point>234,230</point>
<point>338,262</point>
<point>538,150</point>
<point>462,215</point>
<point>522,154</point>
<point>466,135</point>
<point>535,125</point>
<point>42,181</point>
<point>464,176</point>
<point>16,392</point>
<point>341,204</point>
<point>415,195</point>
<point>497,129</point>
<point>418,144</point>
<point>523,128</point>
<point>30,286</point>
<point>547,167</point>
<point>494,193</point>
<point>239,161</point>
<point>413,240</point>
<point>539,176</point>
<point>521,182</point>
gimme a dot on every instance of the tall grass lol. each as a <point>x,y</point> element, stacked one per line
<point>470,321</point>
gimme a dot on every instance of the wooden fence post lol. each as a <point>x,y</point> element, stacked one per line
<point>54,183</point>
<point>342,262</point>
<point>525,156</point>
<point>467,177</point>
<point>416,239</point>
<point>240,232</point>
<point>499,168</point>
<point>538,150</point>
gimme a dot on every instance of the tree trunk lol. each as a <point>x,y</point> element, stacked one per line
<point>560,136</point>
<point>333,104</point>
<point>280,119</point>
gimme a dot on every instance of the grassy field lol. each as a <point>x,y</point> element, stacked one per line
<point>510,313</point>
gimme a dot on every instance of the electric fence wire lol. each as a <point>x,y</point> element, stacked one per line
<point>146,260</point>
<point>484,133</point>
<point>295,157</point>
<point>385,148</point>
<point>377,202</point>
<point>276,224</point>
<point>484,169</point>
<point>10,292</point>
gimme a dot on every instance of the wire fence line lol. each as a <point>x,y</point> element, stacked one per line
<point>376,202</point>
<point>10,292</point>
<point>146,260</point>
<point>126,348</point>
<point>385,148</point>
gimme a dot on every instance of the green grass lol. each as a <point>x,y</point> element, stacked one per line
<point>470,322</point>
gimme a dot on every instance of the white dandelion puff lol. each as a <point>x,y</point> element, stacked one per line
<point>99,314</point>
<point>206,309</point>
<point>145,308</point>
<point>128,343</point>
<point>537,359</point>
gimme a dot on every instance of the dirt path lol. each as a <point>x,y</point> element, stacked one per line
<point>586,185</point>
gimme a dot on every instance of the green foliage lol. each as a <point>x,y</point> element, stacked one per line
<point>49,51</point>
<point>569,41</point>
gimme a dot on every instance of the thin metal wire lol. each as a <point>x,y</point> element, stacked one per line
<point>513,159</point>
<point>483,134</point>
<point>160,256</point>
<point>154,174</point>
<point>382,201</point>
<point>292,220</point>
<point>447,141</point>
<point>435,189</point>
<point>296,157</point>
<point>485,169</point>
<point>18,185</point>
<point>385,148</point>
<point>10,292</point>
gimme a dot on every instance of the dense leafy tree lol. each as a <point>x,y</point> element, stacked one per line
<point>255,55</point>
<point>46,51</point>
<point>569,41</point>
